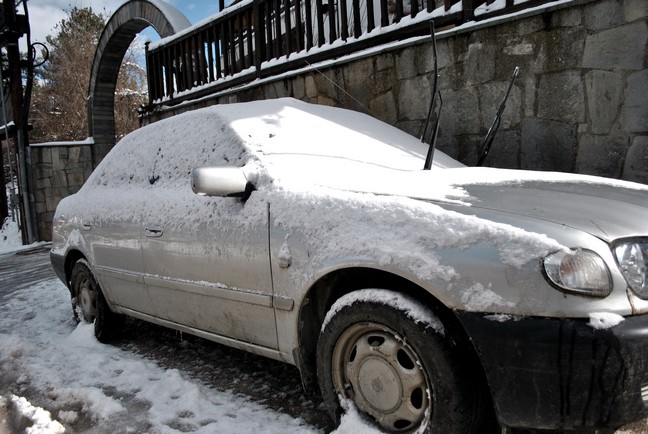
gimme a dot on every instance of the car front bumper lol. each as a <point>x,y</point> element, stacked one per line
<point>550,373</point>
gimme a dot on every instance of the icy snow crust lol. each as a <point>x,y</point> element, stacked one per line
<point>404,303</point>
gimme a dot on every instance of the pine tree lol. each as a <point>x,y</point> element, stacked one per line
<point>59,99</point>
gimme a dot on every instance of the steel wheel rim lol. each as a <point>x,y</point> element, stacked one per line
<point>383,376</point>
<point>87,300</point>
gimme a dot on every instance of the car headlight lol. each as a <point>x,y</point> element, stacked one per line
<point>580,271</point>
<point>632,257</point>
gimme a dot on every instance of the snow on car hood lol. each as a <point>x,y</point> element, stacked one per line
<point>608,209</point>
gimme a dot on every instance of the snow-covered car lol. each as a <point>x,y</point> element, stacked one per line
<point>456,299</point>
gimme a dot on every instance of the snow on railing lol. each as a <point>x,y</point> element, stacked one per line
<point>255,39</point>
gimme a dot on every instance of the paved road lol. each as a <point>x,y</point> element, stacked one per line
<point>25,268</point>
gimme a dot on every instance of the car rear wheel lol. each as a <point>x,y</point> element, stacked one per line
<point>391,357</point>
<point>89,304</point>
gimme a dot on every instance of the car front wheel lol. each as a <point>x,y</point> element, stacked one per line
<point>89,304</point>
<point>391,357</point>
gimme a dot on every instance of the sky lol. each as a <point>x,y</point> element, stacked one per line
<point>45,14</point>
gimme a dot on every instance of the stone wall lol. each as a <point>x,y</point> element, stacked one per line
<point>57,172</point>
<point>580,103</point>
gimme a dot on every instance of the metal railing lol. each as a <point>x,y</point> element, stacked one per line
<point>260,38</point>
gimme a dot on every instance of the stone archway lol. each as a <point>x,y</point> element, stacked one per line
<point>130,19</point>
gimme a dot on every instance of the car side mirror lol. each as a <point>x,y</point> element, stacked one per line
<point>220,181</point>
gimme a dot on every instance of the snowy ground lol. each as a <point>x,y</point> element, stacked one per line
<point>10,239</point>
<point>152,381</point>
<point>54,373</point>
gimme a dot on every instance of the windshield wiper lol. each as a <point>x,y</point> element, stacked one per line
<point>490,135</point>
<point>435,132</point>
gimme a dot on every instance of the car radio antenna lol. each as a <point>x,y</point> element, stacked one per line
<point>490,135</point>
<point>435,132</point>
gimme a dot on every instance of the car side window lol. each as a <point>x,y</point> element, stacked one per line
<point>166,156</point>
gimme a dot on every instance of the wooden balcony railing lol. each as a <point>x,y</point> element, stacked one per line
<point>260,38</point>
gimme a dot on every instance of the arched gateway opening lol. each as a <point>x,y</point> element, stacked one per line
<point>130,19</point>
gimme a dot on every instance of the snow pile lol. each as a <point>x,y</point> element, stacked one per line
<point>36,420</point>
<point>604,320</point>
<point>414,310</point>
<point>478,298</point>
<point>10,238</point>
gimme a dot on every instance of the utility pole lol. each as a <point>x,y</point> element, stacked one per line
<point>14,26</point>
<point>4,209</point>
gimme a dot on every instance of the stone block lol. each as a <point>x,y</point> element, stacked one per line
<point>39,194</point>
<point>299,88</point>
<point>635,10</point>
<point>74,152</point>
<point>530,25</point>
<point>425,57</point>
<point>570,17</point>
<point>636,162</point>
<point>635,108</point>
<point>356,77</point>
<point>41,207</point>
<point>449,145</point>
<point>51,201</point>
<point>479,66</point>
<point>601,155</point>
<point>561,97</point>
<point>603,14</point>
<point>469,147</point>
<point>564,48</point>
<point>327,83</point>
<point>85,154</point>
<point>384,108</point>
<point>311,89</point>
<point>414,98</point>
<point>325,100</point>
<point>490,98</point>
<point>74,179</point>
<point>529,97</point>
<point>505,151</point>
<point>406,63</point>
<point>603,99</point>
<point>461,114</point>
<point>384,61</point>
<point>283,88</point>
<point>46,155</point>
<point>269,91</point>
<point>381,81</point>
<point>451,78</point>
<point>621,47</point>
<point>548,145</point>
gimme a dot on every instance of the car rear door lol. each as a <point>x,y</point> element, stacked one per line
<point>111,225</point>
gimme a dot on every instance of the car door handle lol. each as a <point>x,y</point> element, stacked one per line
<point>154,231</point>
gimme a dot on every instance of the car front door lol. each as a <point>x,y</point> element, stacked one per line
<point>207,263</point>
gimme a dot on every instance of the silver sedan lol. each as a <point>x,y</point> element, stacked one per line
<point>455,299</point>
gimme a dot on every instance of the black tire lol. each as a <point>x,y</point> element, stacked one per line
<point>369,351</point>
<point>89,304</point>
